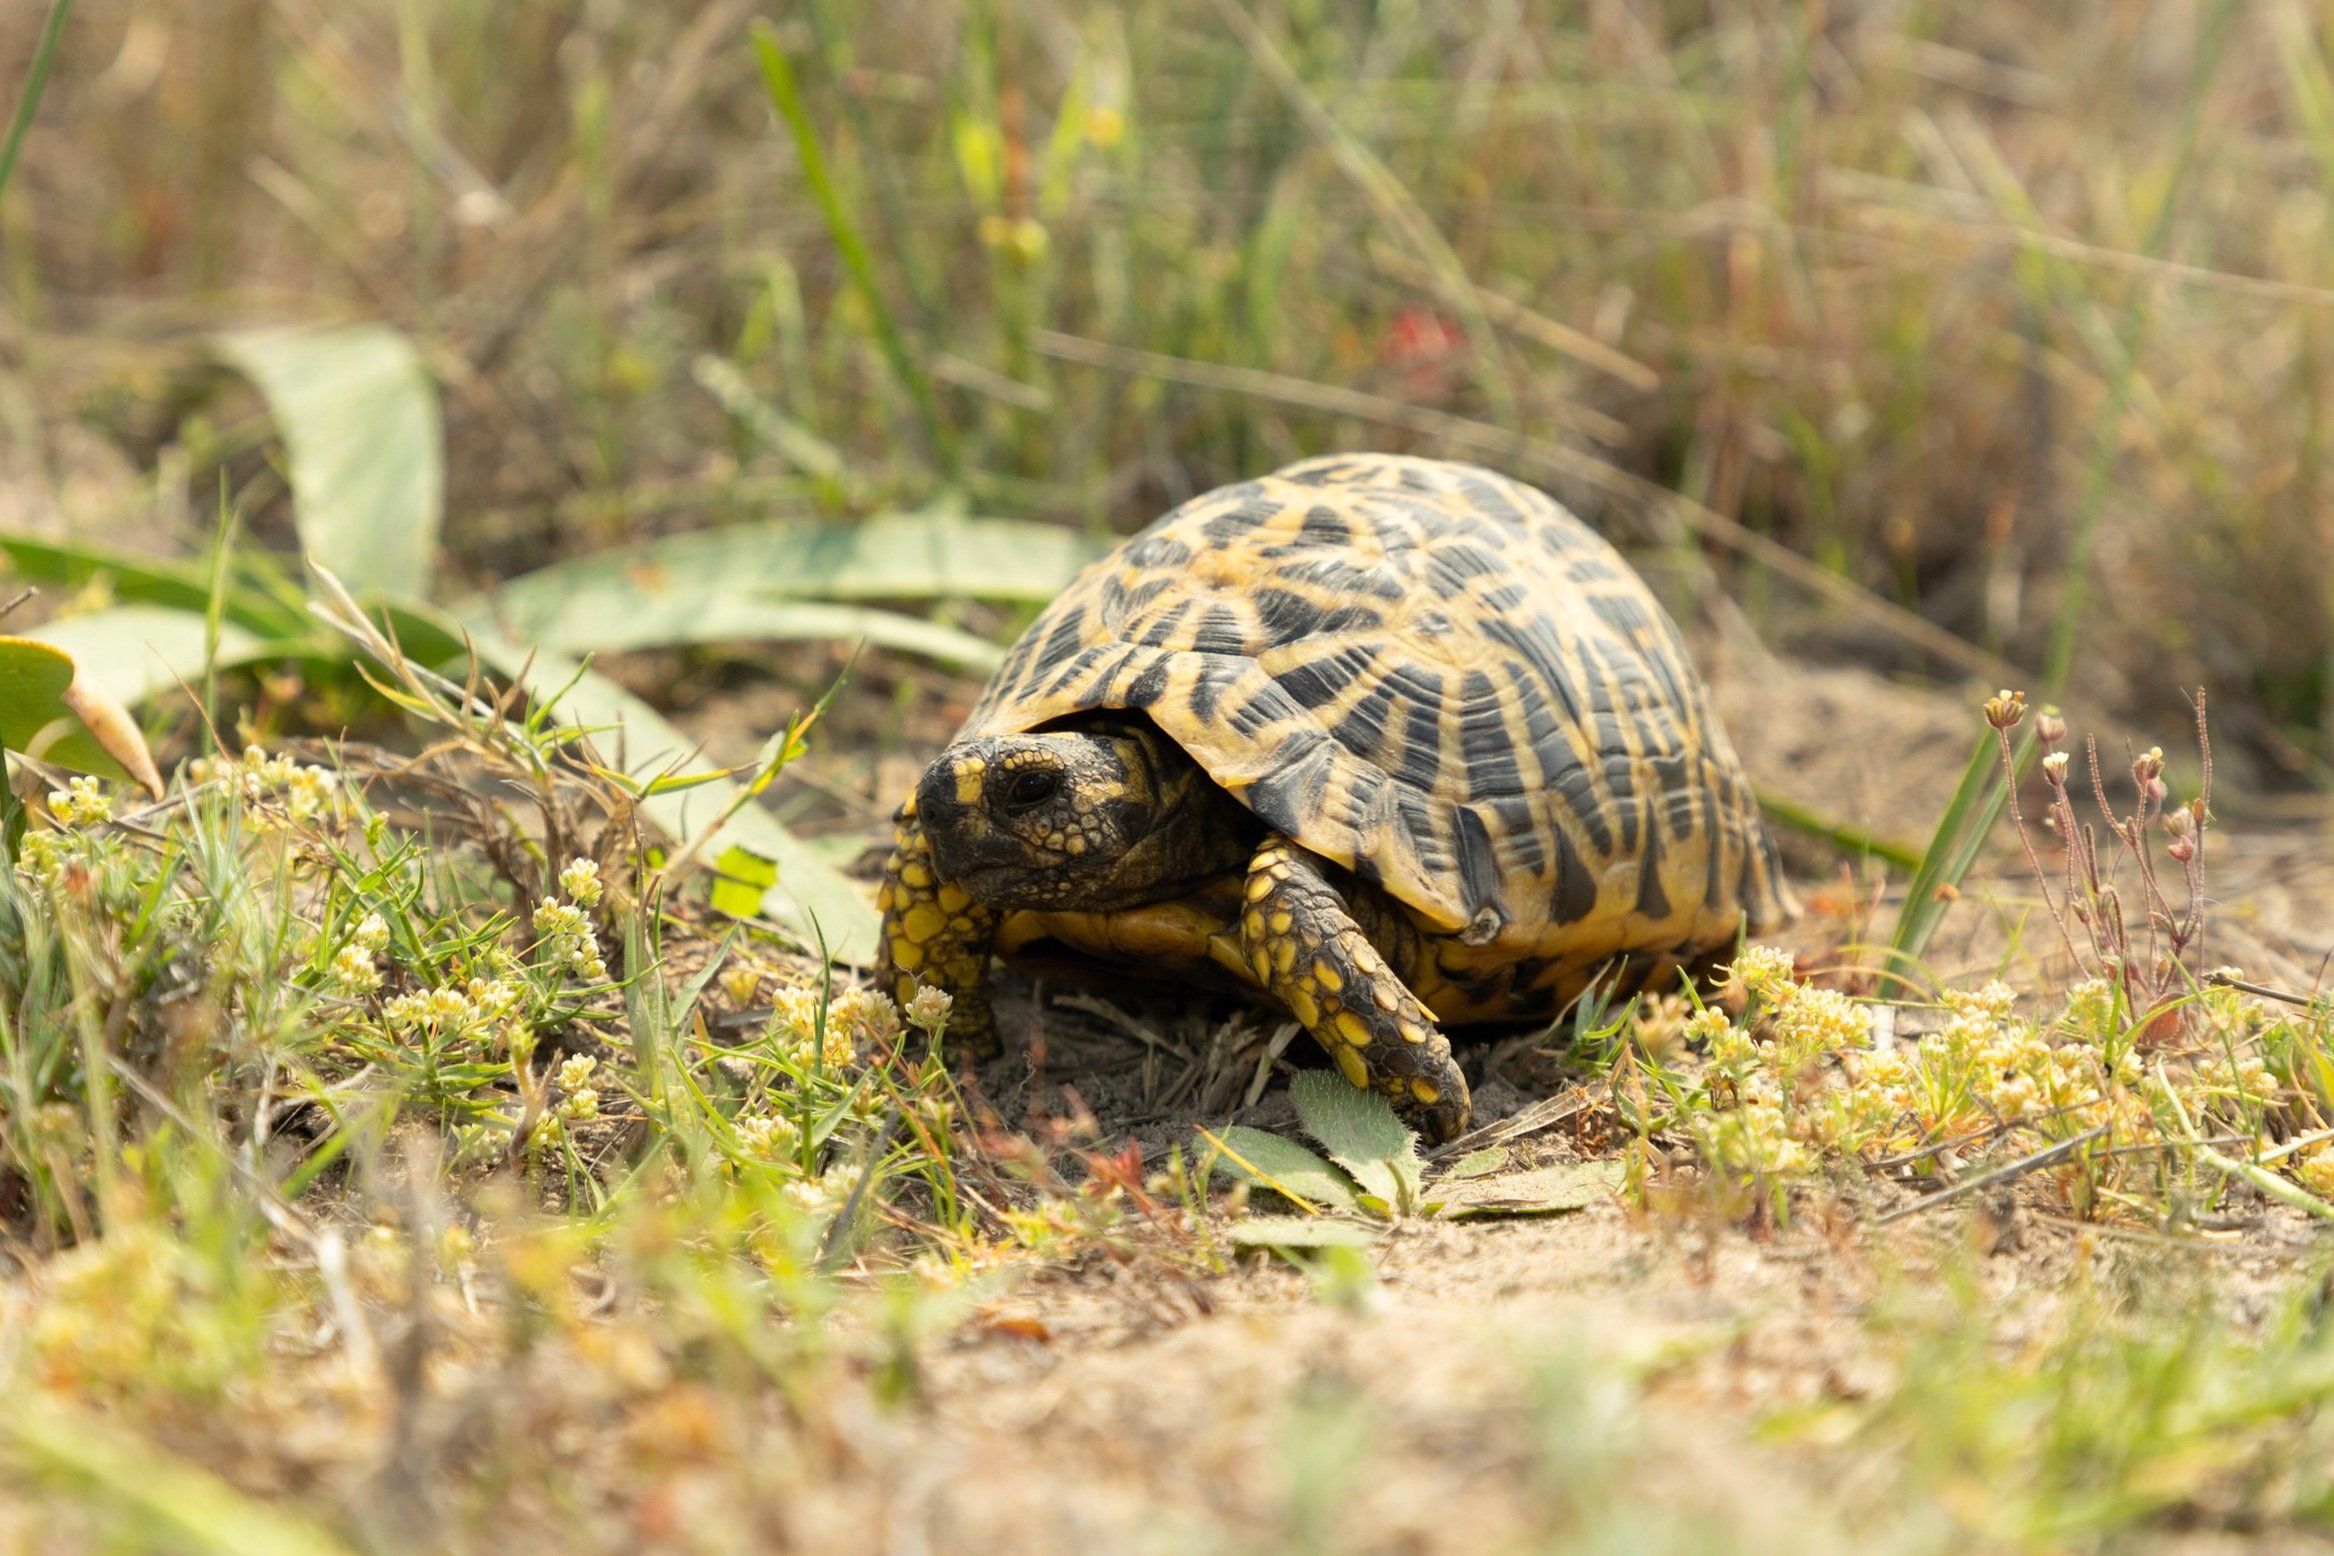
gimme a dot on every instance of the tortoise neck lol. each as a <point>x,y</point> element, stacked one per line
<point>1198,831</point>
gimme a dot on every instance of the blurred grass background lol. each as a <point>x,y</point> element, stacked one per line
<point>2017,317</point>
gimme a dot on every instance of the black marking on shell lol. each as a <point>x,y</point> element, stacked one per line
<point>1621,789</point>
<point>1422,744</point>
<point>1148,687</point>
<point>1325,526</point>
<point>1478,874</point>
<point>1540,652</point>
<point>1415,814</point>
<point>1488,495</point>
<point>1454,566</point>
<point>1063,641</point>
<point>1285,617</point>
<point>1317,682</point>
<point>1713,845</point>
<point>1652,897</point>
<point>1107,668</point>
<point>1519,831</point>
<point>1161,633</point>
<point>1247,509</point>
<point>1487,746</point>
<point>1623,614</point>
<point>1350,618</point>
<point>1288,798</point>
<point>1575,897</point>
<point>1074,667</point>
<point>1206,687</point>
<point>1268,707</point>
<point>1157,551</point>
<point>1363,729</point>
<point>1221,631</point>
<point>1336,576</point>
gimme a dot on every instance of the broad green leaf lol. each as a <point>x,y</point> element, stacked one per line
<point>1536,1191</point>
<point>263,600</point>
<point>1476,1163</point>
<point>141,651</point>
<point>811,897</point>
<point>1283,1166</point>
<point>50,710</point>
<point>359,418</point>
<point>897,557</point>
<point>740,880</point>
<point>719,613</point>
<point>1360,1132</point>
<point>1301,1232</point>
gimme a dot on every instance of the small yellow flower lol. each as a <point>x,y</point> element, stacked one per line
<point>581,882</point>
<point>928,1007</point>
<point>83,803</point>
<point>1763,970</point>
<point>354,971</point>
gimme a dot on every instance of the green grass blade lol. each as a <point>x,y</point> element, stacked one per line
<point>1970,817</point>
<point>812,897</point>
<point>185,1508</point>
<point>36,82</point>
<point>778,77</point>
<point>1840,834</point>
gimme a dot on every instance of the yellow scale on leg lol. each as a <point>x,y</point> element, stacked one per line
<point>1305,948</point>
<point>936,935</point>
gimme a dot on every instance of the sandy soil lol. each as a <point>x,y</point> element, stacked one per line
<point>1476,1397</point>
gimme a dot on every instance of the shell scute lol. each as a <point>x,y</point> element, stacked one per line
<point>1437,678</point>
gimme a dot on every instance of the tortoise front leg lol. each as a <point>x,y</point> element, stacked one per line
<point>1305,947</point>
<point>935,935</point>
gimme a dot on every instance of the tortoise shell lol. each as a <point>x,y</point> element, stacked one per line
<point>1436,677</point>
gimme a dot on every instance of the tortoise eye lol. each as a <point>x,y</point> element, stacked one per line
<point>1032,788</point>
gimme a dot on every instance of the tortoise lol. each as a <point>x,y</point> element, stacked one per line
<point>1396,744</point>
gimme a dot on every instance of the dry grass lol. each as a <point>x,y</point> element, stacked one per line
<point>2015,320</point>
<point>1950,339</point>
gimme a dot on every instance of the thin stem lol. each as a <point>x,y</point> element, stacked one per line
<point>35,82</point>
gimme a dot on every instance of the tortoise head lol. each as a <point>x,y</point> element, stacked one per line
<point>1081,819</point>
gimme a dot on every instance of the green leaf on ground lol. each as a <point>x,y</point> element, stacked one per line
<point>137,652</point>
<point>1476,1163</point>
<point>1535,1191</point>
<point>909,556</point>
<point>359,418</point>
<point>1301,1232</point>
<point>261,598</point>
<point>741,878</point>
<point>1359,1130</point>
<point>51,710</point>
<point>1283,1166</point>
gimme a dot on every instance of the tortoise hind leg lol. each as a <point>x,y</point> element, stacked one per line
<point>935,934</point>
<point>1304,946</point>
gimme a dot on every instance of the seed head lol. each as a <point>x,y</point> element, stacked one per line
<point>581,882</point>
<point>2006,709</point>
<point>2049,728</point>
<point>928,1007</point>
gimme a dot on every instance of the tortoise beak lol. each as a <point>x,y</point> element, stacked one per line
<point>954,825</point>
